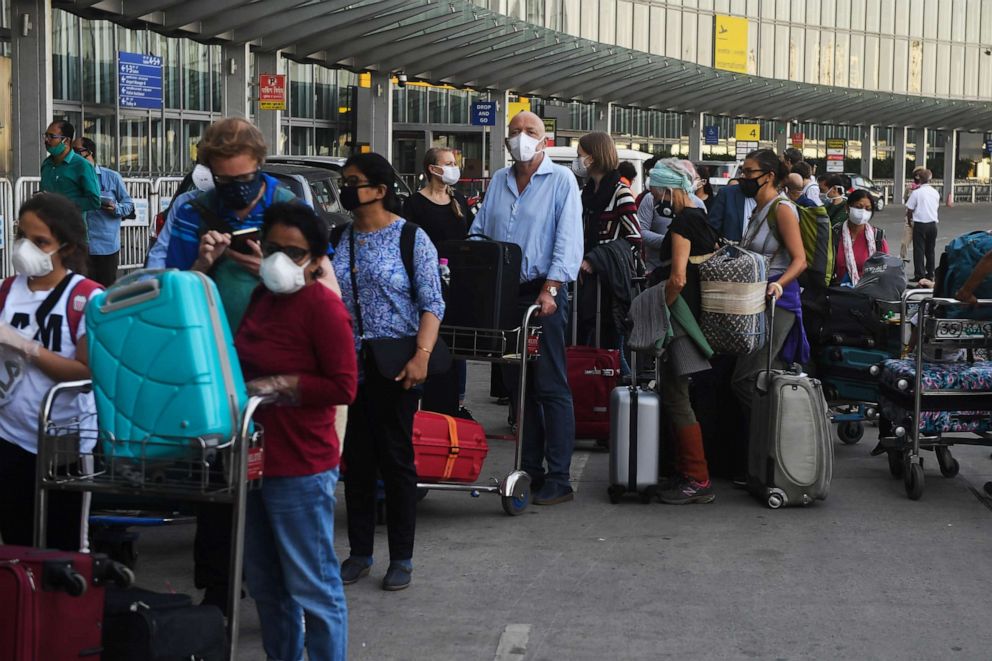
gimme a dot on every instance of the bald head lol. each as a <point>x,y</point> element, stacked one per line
<point>794,185</point>
<point>526,122</point>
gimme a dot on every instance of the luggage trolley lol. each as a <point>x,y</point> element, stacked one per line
<point>508,347</point>
<point>933,406</point>
<point>140,471</point>
<point>850,377</point>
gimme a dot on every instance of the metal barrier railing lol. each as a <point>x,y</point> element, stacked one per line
<point>7,219</point>
<point>134,232</point>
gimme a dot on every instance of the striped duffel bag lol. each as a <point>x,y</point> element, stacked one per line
<point>732,285</point>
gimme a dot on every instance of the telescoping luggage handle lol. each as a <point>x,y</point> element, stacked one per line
<point>770,344</point>
<point>133,289</point>
<point>632,430</point>
<point>575,312</point>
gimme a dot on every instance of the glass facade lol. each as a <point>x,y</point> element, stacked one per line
<point>915,47</point>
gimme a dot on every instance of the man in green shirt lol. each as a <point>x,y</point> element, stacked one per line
<point>67,173</point>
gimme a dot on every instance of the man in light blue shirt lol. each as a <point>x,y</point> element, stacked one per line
<point>536,205</point>
<point>103,225</point>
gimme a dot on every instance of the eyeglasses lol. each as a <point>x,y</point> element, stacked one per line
<point>246,178</point>
<point>751,173</point>
<point>52,136</point>
<point>82,151</point>
<point>295,253</point>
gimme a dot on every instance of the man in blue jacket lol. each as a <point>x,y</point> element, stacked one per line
<point>103,225</point>
<point>730,212</point>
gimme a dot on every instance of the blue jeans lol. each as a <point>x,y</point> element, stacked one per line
<point>549,421</point>
<point>292,572</point>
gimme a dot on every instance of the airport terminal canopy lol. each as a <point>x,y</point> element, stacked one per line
<point>458,43</point>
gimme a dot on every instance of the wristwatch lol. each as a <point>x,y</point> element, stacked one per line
<point>551,289</point>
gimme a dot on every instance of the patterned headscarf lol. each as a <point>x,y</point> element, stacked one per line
<point>670,173</point>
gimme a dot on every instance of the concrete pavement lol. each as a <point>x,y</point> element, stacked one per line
<point>867,574</point>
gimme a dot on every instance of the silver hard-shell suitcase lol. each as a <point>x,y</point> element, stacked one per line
<point>635,428</point>
<point>790,456</point>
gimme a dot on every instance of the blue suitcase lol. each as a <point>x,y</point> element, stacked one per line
<point>845,372</point>
<point>166,378</point>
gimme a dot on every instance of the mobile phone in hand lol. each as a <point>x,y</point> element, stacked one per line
<point>240,238</point>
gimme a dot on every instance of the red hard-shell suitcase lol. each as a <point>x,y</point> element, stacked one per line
<point>51,603</point>
<point>448,449</point>
<point>592,375</point>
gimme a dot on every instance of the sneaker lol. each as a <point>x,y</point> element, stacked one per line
<point>464,413</point>
<point>353,569</point>
<point>739,481</point>
<point>552,494</point>
<point>397,576</point>
<point>689,491</point>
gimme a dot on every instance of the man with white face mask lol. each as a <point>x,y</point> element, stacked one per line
<point>536,205</point>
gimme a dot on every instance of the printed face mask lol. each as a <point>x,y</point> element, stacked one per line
<point>30,260</point>
<point>237,195</point>
<point>579,166</point>
<point>281,275</point>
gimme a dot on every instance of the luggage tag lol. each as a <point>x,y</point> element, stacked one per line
<point>256,461</point>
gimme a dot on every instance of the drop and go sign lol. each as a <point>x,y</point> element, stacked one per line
<point>484,113</point>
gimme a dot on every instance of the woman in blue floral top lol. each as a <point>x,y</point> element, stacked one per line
<point>380,421</point>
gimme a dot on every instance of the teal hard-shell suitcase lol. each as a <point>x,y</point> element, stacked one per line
<point>166,378</point>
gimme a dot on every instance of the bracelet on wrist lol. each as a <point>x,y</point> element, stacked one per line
<point>427,351</point>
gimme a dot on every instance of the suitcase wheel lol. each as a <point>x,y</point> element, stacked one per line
<point>850,432</point>
<point>775,500</point>
<point>615,492</point>
<point>949,466</point>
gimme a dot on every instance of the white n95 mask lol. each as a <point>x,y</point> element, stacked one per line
<point>30,260</point>
<point>450,174</point>
<point>523,147</point>
<point>859,216</point>
<point>281,275</point>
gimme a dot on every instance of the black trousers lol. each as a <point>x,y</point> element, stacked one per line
<point>212,545</point>
<point>379,442</point>
<point>17,514</point>
<point>924,246</point>
<point>103,268</point>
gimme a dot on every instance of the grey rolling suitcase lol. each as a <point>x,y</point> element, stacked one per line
<point>790,456</point>
<point>635,422</point>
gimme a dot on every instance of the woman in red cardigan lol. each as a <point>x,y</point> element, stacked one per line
<point>295,342</point>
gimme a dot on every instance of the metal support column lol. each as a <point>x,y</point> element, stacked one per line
<point>922,144</point>
<point>950,161</point>
<point>375,114</point>
<point>497,132</point>
<point>31,83</point>
<point>899,171</point>
<point>270,121</point>
<point>237,83</point>
<point>783,138</point>
<point>695,121</point>
<point>867,149</point>
<point>602,119</point>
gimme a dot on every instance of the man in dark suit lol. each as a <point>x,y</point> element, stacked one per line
<point>730,211</point>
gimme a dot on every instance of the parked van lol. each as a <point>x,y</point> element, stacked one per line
<point>565,156</point>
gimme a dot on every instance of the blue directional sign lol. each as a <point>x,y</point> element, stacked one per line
<point>988,146</point>
<point>711,134</point>
<point>139,81</point>
<point>484,113</point>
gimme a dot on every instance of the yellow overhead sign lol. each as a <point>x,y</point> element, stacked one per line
<point>730,43</point>
<point>513,108</point>
<point>747,132</point>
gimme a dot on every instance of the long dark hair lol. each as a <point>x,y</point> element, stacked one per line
<point>66,224</point>
<point>770,162</point>
<point>379,173</point>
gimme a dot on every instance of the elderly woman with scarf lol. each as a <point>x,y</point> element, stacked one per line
<point>689,238</point>
<point>858,239</point>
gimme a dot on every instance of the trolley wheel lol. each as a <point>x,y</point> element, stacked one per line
<point>850,432</point>
<point>913,480</point>
<point>897,465</point>
<point>949,466</point>
<point>614,492</point>
<point>422,493</point>
<point>775,501</point>
<point>516,506</point>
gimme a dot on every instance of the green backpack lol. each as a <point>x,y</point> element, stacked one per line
<point>814,227</point>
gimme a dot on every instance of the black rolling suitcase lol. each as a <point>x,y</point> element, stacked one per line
<point>141,625</point>
<point>485,283</point>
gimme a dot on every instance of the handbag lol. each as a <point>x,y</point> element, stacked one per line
<point>391,354</point>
